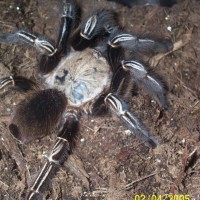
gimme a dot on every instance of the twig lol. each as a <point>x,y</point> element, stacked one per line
<point>130,185</point>
<point>4,185</point>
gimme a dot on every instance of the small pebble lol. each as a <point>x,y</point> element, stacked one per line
<point>127,132</point>
<point>169,28</point>
<point>82,139</point>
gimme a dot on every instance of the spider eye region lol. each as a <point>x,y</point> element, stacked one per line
<point>82,76</point>
<point>62,78</point>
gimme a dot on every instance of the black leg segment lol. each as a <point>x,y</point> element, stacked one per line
<point>58,155</point>
<point>18,82</point>
<point>49,62</point>
<point>119,108</point>
<point>99,24</point>
<point>148,81</point>
<point>68,19</point>
<point>139,44</point>
<point>24,37</point>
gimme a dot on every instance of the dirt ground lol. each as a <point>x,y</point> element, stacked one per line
<point>109,162</point>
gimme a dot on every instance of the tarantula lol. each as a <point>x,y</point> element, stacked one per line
<point>89,70</point>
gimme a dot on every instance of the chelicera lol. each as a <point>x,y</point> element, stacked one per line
<point>87,71</point>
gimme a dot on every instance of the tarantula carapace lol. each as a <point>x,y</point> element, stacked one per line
<point>89,70</point>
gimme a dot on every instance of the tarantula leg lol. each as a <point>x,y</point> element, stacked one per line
<point>101,23</point>
<point>61,150</point>
<point>67,20</point>
<point>50,56</point>
<point>25,37</point>
<point>139,44</point>
<point>49,62</point>
<point>120,41</point>
<point>119,107</point>
<point>115,55</point>
<point>150,82</point>
<point>19,82</point>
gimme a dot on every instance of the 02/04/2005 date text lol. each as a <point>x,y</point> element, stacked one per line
<point>161,197</point>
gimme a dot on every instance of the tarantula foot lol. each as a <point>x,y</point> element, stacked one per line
<point>119,107</point>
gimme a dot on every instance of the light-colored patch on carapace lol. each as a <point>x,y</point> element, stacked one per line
<point>82,76</point>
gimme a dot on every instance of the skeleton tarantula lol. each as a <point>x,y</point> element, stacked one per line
<point>90,69</point>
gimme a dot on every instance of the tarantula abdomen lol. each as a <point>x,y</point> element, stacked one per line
<point>38,114</point>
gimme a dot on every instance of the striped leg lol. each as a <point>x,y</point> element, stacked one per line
<point>19,82</point>
<point>41,44</point>
<point>24,37</point>
<point>119,108</point>
<point>147,80</point>
<point>117,46</point>
<point>49,62</point>
<point>139,44</point>
<point>120,43</point>
<point>99,24</point>
<point>67,23</point>
<point>50,53</point>
<point>60,153</point>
